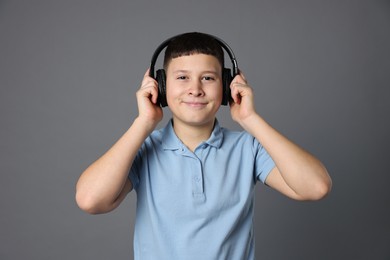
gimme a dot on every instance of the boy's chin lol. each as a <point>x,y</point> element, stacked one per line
<point>195,122</point>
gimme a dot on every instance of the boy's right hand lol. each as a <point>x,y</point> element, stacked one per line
<point>149,111</point>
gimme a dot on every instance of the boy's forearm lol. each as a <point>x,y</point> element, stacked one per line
<point>102,184</point>
<point>301,171</point>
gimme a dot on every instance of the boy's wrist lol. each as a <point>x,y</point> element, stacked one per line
<point>144,124</point>
<point>250,121</point>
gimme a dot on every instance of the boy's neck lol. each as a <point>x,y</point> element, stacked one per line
<point>191,135</point>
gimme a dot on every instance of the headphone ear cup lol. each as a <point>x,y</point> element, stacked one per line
<point>161,79</point>
<point>226,81</point>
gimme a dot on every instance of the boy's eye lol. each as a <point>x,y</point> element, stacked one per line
<point>208,78</point>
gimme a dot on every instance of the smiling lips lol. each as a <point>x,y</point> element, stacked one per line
<point>195,104</point>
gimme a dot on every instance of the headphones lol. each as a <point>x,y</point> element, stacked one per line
<point>227,75</point>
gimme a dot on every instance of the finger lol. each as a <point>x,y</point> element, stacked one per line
<point>149,87</point>
<point>154,95</point>
<point>154,92</point>
<point>243,76</point>
<point>148,94</point>
<point>147,73</point>
<point>235,94</point>
<point>239,79</point>
<point>148,81</point>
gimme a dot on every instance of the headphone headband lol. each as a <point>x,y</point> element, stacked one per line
<point>223,44</point>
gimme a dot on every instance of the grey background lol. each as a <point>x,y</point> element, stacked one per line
<point>68,74</point>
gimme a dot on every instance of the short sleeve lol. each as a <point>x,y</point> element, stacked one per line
<point>135,169</point>
<point>263,162</point>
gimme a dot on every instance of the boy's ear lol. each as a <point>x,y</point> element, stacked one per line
<point>226,81</point>
<point>161,81</point>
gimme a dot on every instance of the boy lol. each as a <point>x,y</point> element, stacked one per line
<point>194,179</point>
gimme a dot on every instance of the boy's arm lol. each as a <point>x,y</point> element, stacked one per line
<point>104,184</point>
<point>297,174</point>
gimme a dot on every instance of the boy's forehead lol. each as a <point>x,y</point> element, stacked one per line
<point>191,61</point>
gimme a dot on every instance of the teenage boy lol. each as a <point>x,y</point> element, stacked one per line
<point>194,179</point>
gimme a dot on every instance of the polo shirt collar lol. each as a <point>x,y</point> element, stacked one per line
<point>170,141</point>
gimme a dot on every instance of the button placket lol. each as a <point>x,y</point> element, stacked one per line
<point>197,178</point>
<point>197,181</point>
<point>196,170</point>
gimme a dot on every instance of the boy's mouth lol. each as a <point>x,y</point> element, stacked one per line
<point>195,104</point>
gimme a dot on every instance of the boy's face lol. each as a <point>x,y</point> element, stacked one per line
<point>194,88</point>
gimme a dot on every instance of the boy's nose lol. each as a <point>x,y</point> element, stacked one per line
<point>196,88</point>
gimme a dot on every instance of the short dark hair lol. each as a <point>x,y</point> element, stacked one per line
<point>193,43</point>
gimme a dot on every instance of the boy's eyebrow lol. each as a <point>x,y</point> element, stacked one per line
<point>180,71</point>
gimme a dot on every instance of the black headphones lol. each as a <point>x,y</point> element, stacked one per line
<point>227,76</point>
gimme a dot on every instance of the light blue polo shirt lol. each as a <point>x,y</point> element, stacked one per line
<point>197,205</point>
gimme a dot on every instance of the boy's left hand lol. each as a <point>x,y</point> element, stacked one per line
<point>242,105</point>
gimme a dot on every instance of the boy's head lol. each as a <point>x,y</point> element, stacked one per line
<point>189,44</point>
<point>193,43</point>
